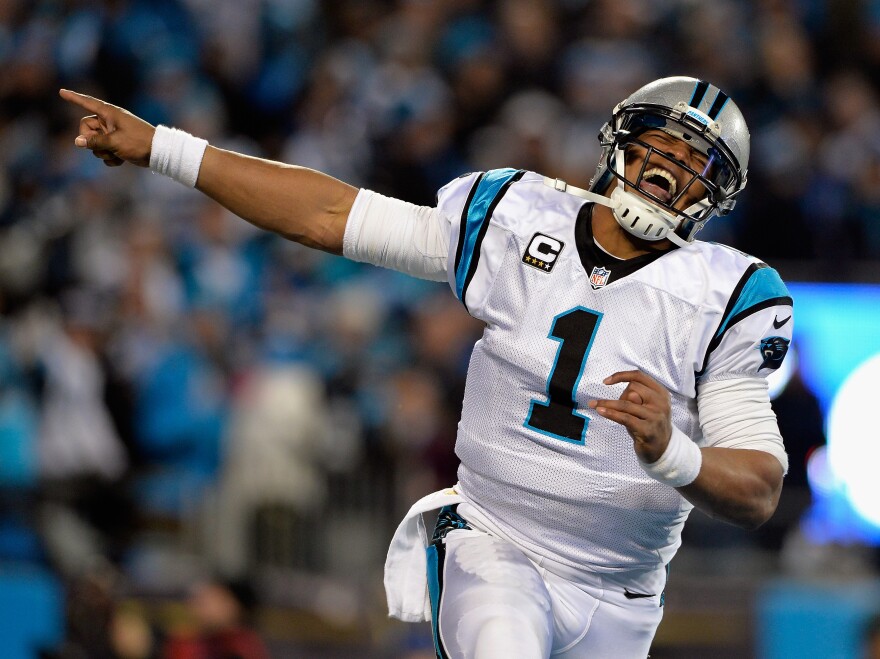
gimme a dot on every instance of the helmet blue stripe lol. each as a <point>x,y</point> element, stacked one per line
<point>699,92</point>
<point>718,104</point>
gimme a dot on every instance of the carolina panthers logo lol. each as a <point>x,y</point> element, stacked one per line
<point>773,349</point>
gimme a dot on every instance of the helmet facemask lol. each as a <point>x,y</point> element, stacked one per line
<point>664,181</point>
<point>645,205</point>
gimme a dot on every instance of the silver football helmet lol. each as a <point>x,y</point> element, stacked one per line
<point>703,117</point>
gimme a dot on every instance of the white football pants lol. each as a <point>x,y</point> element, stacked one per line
<point>494,602</point>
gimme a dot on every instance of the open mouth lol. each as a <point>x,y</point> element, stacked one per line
<point>659,183</point>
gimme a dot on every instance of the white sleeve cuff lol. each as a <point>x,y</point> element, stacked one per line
<point>680,463</point>
<point>736,413</point>
<point>177,154</point>
<point>396,234</point>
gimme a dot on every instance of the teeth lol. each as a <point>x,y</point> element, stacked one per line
<point>656,171</point>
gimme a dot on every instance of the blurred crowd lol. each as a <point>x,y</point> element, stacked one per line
<point>164,365</point>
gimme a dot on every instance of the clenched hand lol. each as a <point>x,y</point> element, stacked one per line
<point>643,409</point>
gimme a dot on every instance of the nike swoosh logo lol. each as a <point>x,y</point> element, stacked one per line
<point>777,323</point>
<point>634,596</point>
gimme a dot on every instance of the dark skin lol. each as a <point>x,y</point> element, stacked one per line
<point>736,485</point>
<point>739,486</point>
<point>608,231</point>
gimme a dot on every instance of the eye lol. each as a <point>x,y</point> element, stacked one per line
<point>632,153</point>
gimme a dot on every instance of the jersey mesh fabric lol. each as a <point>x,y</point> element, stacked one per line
<point>586,504</point>
<point>582,501</point>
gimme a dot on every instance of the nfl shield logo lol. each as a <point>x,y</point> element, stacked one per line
<point>599,277</point>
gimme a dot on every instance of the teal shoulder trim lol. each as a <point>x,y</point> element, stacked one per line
<point>485,196</point>
<point>762,288</point>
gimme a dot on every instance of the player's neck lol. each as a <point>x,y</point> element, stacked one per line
<point>614,240</point>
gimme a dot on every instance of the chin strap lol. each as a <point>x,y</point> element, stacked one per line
<point>562,186</point>
<point>623,203</point>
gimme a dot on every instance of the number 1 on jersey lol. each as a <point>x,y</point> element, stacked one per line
<point>558,417</point>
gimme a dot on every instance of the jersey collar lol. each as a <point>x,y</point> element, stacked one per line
<point>593,257</point>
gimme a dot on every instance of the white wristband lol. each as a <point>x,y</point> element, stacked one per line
<point>177,154</point>
<point>680,463</point>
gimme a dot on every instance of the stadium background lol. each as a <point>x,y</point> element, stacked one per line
<point>184,398</point>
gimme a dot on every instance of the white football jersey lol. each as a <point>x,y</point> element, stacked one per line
<point>562,315</point>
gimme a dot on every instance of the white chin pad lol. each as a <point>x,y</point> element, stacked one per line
<point>640,217</point>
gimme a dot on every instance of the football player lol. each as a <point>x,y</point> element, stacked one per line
<point>620,380</point>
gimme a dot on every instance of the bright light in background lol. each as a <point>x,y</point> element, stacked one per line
<point>837,338</point>
<point>837,327</point>
<point>854,440</point>
<point>819,473</point>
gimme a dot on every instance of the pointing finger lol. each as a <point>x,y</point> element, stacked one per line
<point>624,406</point>
<point>89,103</point>
<point>632,376</point>
<point>630,422</point>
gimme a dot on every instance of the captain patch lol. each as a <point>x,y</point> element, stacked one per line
<point>542,252</point>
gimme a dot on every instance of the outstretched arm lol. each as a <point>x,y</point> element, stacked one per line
<point>298,203</point>
<point>740,486</point>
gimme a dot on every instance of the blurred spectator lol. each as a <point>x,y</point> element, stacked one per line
<point>18,456</point>
<point>18,421</point>
<point>872,639</point>
<point>279,443</point>
<point>801,424</point>
<point>220,613</point>
<point>77,437</point>
<point>132,636</point>
<point>89,610</point>
<point>85,514</point>
<point>180,419</point>
<point>164,366</point>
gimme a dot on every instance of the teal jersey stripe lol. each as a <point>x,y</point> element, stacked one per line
<point>487,189</point>
<point>764,285</point>
<point>434,587</point>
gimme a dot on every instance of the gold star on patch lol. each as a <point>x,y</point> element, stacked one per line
<point>542,252</point>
